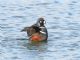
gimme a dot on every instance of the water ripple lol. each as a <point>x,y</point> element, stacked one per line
<point>62,23</point>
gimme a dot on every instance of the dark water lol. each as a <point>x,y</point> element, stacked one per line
<point>63,24</point>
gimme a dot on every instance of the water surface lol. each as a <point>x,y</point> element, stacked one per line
<point>63,24</point>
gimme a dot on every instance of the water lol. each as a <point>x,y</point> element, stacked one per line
<point>63,24</point>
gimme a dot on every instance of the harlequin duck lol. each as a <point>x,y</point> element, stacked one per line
<point>41,23</point>
<point>38,31</point>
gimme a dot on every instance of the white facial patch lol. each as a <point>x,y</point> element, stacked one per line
<point>42,27</point>
<point>40,21</point>
<point>42,32</point>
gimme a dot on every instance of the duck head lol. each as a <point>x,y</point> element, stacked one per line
<point>41,22</point>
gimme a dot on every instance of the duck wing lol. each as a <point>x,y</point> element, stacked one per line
<point>29,30</point>
<point>26,29</point>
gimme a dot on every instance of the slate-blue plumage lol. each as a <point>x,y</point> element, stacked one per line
<point>40,28</point>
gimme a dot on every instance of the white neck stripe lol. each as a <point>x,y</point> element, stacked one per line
<point>42,27</point>
<point>42,32</point>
